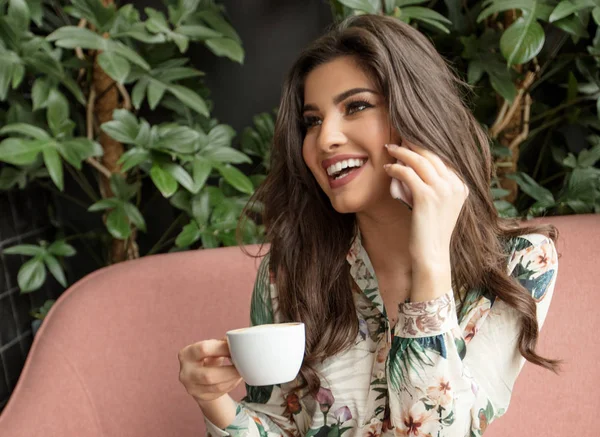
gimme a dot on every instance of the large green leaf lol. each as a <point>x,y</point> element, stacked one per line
<point>58,111</point>
<point>226,47</point>
<point>156,90</point>
<point>116,66</point>
<point>221,136</point>
<point>61,248</point>
<point>523,40</point>
<point>124,126</point>
<point>226,154</point>
<point>201,170</point>
<point>503,86</point>
<point>163,180</point>
<point>123,190</point>
<point>25,249</point>
<point>8,66</point>
<point>180,175</point>
<point>40,93</point>
<point>138,31</point>
<point>95,12</point>
<point>236,178</point>
<point>156,22</point>
<point>56,269</point>
<point>173,74</point>
<point>583,184</point>
<point>190,98</point>
<point>596,15</point>
<point>18,14</point>
<point>52,68</point>
<point>572,25</point>
<point>566,8</point>
<point>138,92</point>
<point>181,139</point>
<point>135,216</point>
<point>133,157</point>
<point>117,224</point>
<point>9,177</point>
<point>76,150</point>
<point>31,275</point>
<point>103,204</point>
<point>201,207</point>
<point>369,6</point>
<point>539,8</point>
<point>129,54</point>
<point>533,189</point>
<point>71,37</point>
<point>215,20</point>
<point>18,151</point>
<point>475,71</point>
<point>588,158</point>
<point>25,129</point>
<point>189,235</point>
<point>426,15</point>
<point>198,32</point>
<point>54,165</point>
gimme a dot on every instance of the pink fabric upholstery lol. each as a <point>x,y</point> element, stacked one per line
<point>105,362</point>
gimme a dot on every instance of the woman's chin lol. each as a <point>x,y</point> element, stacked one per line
<point>346,206</point>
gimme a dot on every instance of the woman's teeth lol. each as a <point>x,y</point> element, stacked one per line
<point>336,169</point>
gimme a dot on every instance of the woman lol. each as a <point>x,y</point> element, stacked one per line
<point>420,310</point>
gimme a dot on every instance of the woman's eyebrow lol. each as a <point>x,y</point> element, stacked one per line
<point>341,97</point>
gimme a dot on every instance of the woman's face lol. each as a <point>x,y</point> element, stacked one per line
<point>347,125</point>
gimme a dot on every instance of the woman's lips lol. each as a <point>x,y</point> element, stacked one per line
<point>349,177</point>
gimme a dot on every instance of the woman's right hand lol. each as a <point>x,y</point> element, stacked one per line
<point>204,373</point>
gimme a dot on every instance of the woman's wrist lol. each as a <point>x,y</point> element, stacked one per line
<point>221,411</point>
<point>430,280</point>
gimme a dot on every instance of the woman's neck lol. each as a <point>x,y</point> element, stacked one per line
<point>385,236</point>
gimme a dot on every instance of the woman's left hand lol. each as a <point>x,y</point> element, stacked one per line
<point>438,196</point>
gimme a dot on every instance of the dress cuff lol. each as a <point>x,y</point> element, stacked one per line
<point>426,319</point>
<point>215,431</point>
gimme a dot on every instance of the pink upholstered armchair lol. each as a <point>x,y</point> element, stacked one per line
<point>104,363</point>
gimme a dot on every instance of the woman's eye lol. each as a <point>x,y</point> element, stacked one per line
<point>311,121</point>
<point>354,107</point>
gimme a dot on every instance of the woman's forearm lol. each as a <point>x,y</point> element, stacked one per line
<point>221,412</point>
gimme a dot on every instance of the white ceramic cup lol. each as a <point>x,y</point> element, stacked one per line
<point>268,354</point>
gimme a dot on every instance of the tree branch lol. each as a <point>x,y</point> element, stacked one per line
<point>89,120</point>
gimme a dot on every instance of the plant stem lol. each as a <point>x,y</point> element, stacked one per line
<point>539,129</point>
<point>554,176</point>
<point>82,235</point>
<point>157,245</point>
<point>558,108</point>
<point>166,244</point>
<point>83,183</point>
<point>89,250</point>
<point>76,201</point>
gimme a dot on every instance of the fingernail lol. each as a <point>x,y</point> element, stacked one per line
<point>391,146</point>
<point>386,166</point>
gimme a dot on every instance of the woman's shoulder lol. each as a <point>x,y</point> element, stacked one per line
<point>533,261</point>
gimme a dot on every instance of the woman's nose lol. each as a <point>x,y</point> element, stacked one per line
<point>331,134</point>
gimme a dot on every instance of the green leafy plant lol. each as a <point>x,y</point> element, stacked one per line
<point>534,67</point>
<point>75,78</point>
<point>80,80</point>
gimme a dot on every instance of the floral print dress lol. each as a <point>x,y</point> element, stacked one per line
<point>439,372</point>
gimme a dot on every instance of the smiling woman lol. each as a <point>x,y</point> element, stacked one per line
<point>418,320</point>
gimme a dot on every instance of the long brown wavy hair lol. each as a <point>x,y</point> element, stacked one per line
<point>310,240</point>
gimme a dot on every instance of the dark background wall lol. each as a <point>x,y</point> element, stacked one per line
<point>273,32</point>
<point>23,219</point>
